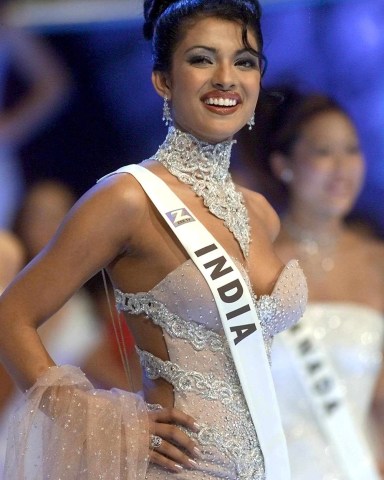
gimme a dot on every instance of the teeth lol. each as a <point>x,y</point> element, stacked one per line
<point>222,102</point>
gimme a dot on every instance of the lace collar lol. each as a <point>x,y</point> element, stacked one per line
<point>204,167</point>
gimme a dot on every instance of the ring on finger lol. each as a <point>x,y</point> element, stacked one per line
<point>155,441</point>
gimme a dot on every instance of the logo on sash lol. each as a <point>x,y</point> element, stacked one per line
<point>180,217</point>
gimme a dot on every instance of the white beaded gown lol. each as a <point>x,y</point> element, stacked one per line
<point>352,335</point>
<point>199,367</point>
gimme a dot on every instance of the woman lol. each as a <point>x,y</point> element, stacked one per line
<point>207,67</point>
<point>313,148</point>
<point>47,85</point>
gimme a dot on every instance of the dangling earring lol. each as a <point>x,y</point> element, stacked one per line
<point>166,112</point>
<point>286,176</point>
<point>251,122</point>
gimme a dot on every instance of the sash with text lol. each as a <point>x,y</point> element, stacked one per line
<point>238,314</point>
<point>323,391</point>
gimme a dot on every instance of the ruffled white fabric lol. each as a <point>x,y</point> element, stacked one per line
<point>65,429</point>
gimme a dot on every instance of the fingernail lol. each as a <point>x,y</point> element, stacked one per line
<point>197,452</point>
<point>178,467</point>
<point>193,463</point>
<point>196,426</point>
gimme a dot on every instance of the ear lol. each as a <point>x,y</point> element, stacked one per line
<point>161,82</point>
<point>281,167</point>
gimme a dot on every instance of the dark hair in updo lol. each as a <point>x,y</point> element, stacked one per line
<point>295,111</point>
<point>164,22</point>
<point>279,121</point>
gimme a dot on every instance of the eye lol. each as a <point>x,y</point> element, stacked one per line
<point>247,63</point>
<point>353,149</point>
<point>200,60</point>
<point>322,151</point>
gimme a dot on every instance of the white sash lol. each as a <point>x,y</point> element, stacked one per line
<point>326,397</point>
<point>238,315</point>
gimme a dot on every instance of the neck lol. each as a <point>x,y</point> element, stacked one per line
<point>182,150</point>
<point>316,242</point>
<point>315,228</point>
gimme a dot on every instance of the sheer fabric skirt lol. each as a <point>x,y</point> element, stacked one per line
<point>65,429</point>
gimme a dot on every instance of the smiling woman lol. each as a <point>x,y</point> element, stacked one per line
<point>191,259</point>
<point>214,80</point>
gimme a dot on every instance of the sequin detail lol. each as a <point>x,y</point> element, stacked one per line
<point>201,370</point>
<point>238,442</point>
<point>246,455</point>
<point>352,336</point>
<point>205,166</point>
<point>200,337</point>
<point>207,386</point>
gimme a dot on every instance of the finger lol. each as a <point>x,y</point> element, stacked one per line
<point>169,456</point>
<point>173,435</point>
<point>164,462</point>
<point>173,415</point>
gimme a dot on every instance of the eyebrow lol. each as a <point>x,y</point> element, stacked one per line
<point>214,50</point>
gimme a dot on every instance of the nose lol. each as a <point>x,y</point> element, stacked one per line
<point>224,77</point>
<point>346,163</point>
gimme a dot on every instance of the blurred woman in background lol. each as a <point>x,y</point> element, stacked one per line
<point>334,357</point>
<point>45,85</point>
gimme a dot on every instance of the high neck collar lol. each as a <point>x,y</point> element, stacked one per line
<point>183,152</point>
<point>204,166</point>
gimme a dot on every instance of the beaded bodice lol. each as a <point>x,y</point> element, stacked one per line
<point>200,367</point>
<point>352,336</point>
<point>204,167</point>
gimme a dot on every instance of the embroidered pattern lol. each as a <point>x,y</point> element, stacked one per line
<point>245,453</point>
<point>205,385</point>
<point>196,334</point>
<point>204,167</point>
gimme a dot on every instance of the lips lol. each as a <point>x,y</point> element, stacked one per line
<point>221,102</point>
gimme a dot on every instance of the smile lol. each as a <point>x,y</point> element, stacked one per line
<point>221,102</point>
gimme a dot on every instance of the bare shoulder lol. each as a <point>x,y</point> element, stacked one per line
<point>261,211</point>
<point>371,247</point>
<point>106,219</point>
<point>375,247</point>
<point>117,201</point>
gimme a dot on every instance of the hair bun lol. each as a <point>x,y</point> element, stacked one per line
<point>152,11</point>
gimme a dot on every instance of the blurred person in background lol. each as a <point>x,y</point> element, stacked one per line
<point>46,84</point>
<point>11,261</point>
<point>330,363</point>
<point>11,257</point>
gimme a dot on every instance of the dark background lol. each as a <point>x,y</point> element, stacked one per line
<point>114,116</point>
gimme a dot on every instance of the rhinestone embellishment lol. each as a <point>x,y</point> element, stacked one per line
<point>204,167</point>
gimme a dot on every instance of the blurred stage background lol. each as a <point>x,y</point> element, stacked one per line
<point>114,116</point>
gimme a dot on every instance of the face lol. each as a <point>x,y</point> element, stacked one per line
<point>214,81</point>
<point>328,166</point>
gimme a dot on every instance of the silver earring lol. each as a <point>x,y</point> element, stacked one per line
<point>286,176</point>
<point>166,112</point>
<point>251,122</point>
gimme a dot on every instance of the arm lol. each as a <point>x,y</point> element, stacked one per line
<point>95,231</point>
<point>100,227</point>
<point>48,83</point>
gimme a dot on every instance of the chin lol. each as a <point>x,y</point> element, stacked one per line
<point>212,132</point>
<point>340,209</point>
